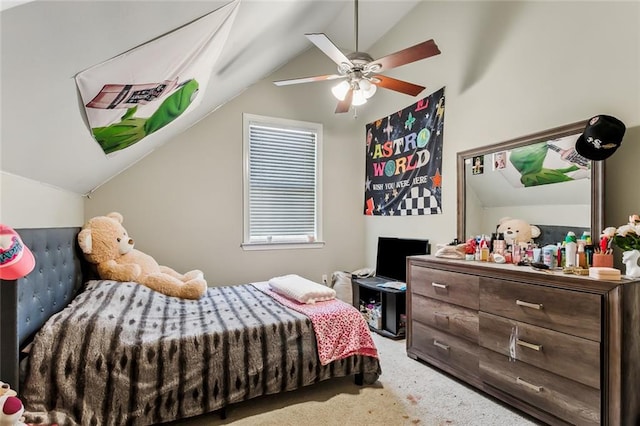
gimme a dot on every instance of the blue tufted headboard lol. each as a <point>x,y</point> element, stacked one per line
<point>26,304</point>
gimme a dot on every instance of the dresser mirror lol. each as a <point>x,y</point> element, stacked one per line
<point>538,178</point>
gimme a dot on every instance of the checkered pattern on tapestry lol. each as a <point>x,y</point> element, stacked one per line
<point>419,201</point>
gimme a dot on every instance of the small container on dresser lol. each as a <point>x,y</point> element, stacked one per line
<point>562,348</point>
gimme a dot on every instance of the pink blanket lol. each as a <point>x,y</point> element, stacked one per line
<point>340,329</point>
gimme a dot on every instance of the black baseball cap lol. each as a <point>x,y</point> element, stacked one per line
<point>601,137</point>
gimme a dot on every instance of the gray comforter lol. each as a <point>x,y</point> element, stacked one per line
<point>123,354</point>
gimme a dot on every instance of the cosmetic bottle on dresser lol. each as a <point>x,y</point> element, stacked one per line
<point>549,256</point>
<point>499,244</point>
<point>484,250</point>
<point>570,249</point>
<point>581,256</point>
<point>588,249</point>
<point>516,255</point>
<point>561,255</point>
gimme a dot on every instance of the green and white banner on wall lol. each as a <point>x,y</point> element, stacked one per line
<point>140,91</point>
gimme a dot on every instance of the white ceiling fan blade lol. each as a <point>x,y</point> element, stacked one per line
<point>308,79</point>
<point>323,43</point>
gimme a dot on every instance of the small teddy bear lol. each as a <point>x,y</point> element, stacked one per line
<point>517,231</point>
<point>105,243</point>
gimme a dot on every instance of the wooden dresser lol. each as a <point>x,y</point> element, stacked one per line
<point>562,348</point>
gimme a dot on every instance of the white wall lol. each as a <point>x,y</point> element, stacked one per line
<point>183,203</point>
<point>511,69</point>
<point>25,203</point>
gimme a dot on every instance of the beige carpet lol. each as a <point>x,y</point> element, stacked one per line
<point>407,393</point>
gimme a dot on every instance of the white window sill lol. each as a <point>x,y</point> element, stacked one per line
<point>282,246</point>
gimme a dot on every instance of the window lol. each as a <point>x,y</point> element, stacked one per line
<point>282,203</point>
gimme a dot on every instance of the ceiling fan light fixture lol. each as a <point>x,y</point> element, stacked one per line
<point>359,97</point>
<point>367,88</point>
<point>340,90</point>
<point>361,72</point>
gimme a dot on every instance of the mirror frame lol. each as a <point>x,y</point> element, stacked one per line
<point>597,174</point>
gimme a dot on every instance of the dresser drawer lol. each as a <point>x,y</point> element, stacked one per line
<point>456,353</point>
<point>453,319</point>
<point>572,357</point>
<point>460,289</point>
<point>571,401</point>
<point>567,311</point>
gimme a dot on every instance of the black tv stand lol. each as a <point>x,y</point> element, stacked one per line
<point>392,301</point>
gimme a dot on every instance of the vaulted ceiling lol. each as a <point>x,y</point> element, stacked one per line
<point>44,44</point>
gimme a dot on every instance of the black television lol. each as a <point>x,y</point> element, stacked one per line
<point>391,258</point>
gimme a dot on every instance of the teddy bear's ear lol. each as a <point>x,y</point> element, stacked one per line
<point>116,216</point>
<point>503,220</point>
<point>84,240</point>
<point>535,231</point>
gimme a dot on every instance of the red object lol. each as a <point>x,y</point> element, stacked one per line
<point>603,244</point>
<point>12,406</point>
<point>559,255</point>
<point>470,247</point>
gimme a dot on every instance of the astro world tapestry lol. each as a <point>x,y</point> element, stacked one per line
<point>404,160</point>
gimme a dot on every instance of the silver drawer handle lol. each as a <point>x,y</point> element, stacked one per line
<point>529,345</point>
<point>528,385</point>
<point>440,345</point>
<point>529,305</point>
<point>438,285</point>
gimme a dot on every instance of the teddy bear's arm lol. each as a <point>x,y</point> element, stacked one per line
<point>111,270</point>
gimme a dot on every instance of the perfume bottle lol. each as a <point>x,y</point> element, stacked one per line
<point>516,255</point>
<point>484,250</point>
<point>499,244</point>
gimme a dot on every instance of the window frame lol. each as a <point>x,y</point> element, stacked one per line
<point>280,123</point>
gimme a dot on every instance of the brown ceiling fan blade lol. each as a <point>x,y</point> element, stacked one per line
<point>307,79</point>
<point>410,54</point>
<point>398,85</point>
<point>323,43</point>
<point>343,106</point>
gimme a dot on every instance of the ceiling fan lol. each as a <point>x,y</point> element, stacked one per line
<point>360,72</point>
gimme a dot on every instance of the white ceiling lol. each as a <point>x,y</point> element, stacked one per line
<point>46,43</point>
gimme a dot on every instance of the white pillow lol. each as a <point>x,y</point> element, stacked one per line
<point>301,289</point>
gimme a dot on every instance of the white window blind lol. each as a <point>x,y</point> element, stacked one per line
<point>281,181</point>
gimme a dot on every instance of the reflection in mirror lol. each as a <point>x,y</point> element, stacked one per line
<point>538,178</point>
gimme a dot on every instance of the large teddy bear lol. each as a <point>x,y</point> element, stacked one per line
<point>105,243</point>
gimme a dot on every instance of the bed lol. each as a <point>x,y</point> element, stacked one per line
<point>103,352</point>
